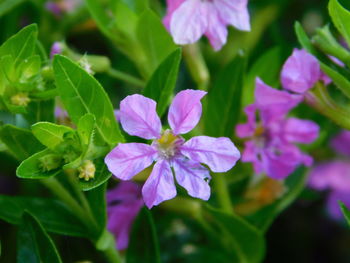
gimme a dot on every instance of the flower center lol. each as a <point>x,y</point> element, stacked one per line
<point>168,144</point>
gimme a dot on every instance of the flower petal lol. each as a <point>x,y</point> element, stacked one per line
<point>216,31</point>
<point>128,159</point>
<point>188,23</point>
<point>123,204</point>
<point>191,176</point>
<point>220,154</point>
<point>247,129</point>
<point>172,5</point>
<point>160,185</point>
<point>300,131</point>
<point>234,12</point>
<point>273,103</point>
<point>138,117</point>
<point>333,203</point>
<point>266,96</point>
<point>341,143</point>
<point>300,72</point>
<point>185,110</point>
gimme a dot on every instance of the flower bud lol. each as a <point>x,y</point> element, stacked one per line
<point>20,99</point>
<point>87,170</point>
<point>50,162</point>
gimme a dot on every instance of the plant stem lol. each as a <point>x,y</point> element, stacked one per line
<point>125,77</point>
<point>106,244</point>
<point>196,66</point>
<point>223,193</point>
<point>55,186</point>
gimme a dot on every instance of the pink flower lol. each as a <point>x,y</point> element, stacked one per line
<point>271,136</point>
<point>188,20</point>
<point>301,71</point>
<point>341,143</point>
<point>56,49</point>
<point>138,117</point>
<point>123,204</point>
<point>334,176</point>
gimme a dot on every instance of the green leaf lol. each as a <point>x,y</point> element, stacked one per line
<point>244,241</point>
<point>53,214</point>
<point>295,183</point>
<point>7,5</point>
<point>32,168</point>
<point>42,110</point>
<point>224,100</point>
<point>20,142</point>
<point>156,43</point>
<point>163,81</point>
<point>346,212</point>
<point>21,45</point>
<point>34,244</point>
<point>143,232</point>
<point>104,22</point>
<point>138,6</point>
<point>97,203</point>
<point>82,94</point>
<point>269,74</point>
<point>339,75</point>
<point>341,18</point>
<point>101,175</point>
<point>50,134</point>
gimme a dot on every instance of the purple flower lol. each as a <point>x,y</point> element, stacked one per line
<point>188,20</point>
<point>301,71</point>
<point>341,143</point>
<point>138,117</point>
<point>271,136</point>
<point>123,204</point>
<point>62,6</point>
<point>56,49</point>
<point>334,176</point>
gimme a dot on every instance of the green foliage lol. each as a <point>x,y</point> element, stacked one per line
<point>20,142</point>
<point>35,168</point>
<point>224,100</point>
<point>20,46</point>
<point>57,217</point>
<point>143,232</point>
<point>339,75</point>
<point>163,81</point>
<point>156,43</point>
<point>82,94</point>
<point>50,134</point>
<point>267,67</point>
<point>341,18</point>
<point>346,212</point>
<point>34,244</point>
<point>243,241</point>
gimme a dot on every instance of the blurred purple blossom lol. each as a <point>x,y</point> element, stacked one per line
<point>301,71</point>
<point>334,176</point>
<point>138,117</point>
<point>188,20</point>
<point>271,137</point>
<point>123,204</point>
<point>60,7</point>
<point>56,48</point>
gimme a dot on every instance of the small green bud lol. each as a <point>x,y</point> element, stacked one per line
<point>50,162</point>
<point>87,170</point>
<point>20,99</point>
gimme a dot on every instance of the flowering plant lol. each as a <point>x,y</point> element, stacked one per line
<point>127,137</point>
